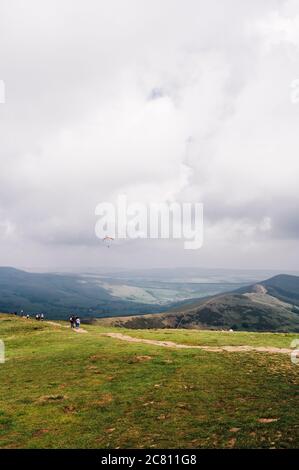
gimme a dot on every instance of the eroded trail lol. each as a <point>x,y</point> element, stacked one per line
<point>170,344</point>
<point>53,323</point>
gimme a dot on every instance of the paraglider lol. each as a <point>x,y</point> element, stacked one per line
<point>108,241</point>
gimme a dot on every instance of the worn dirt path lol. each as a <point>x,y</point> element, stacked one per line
<point>170,344</point>
<point>54,323</point>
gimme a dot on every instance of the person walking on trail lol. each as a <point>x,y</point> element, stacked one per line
<point>78,322</point>
<point>42,316</point>
<point>37,316</point>
<point>72,321</point>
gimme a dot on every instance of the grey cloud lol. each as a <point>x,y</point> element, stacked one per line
<point>119,96</point>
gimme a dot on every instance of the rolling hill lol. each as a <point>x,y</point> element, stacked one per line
<point>271,305</point>
<point>57,295</point>
<point>284,287</point>
<point>97,293</point>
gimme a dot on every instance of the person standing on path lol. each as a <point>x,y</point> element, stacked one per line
<point>72,321</point>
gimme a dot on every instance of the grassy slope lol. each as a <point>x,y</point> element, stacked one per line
<point>61,389</point>
<point>220,312</point>
<point>212,338</point>
<point>57,294</point>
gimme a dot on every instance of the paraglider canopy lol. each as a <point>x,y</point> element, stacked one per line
<point>108,241</point>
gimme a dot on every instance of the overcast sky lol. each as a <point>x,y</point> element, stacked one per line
<point>161,100</point>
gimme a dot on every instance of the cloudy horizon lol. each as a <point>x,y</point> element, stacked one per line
<point>162,101</point>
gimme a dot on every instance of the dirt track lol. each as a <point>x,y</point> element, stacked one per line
<point>80,330</point>
<point>170,344</point>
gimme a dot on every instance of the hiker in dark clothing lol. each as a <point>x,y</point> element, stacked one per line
<point>72,321</point>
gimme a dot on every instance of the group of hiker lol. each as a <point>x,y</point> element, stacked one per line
<point>75,321</point>
<point>39,316</point>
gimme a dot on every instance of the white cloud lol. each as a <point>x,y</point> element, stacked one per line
<point>162,100</point>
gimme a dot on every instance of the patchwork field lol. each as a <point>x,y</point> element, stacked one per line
<point>59,389</point>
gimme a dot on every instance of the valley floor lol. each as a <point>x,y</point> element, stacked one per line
<point>64,390</point>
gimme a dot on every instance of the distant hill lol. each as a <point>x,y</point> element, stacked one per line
<point>272,305</point>
<point>284,287</point>
<point>57,295</point>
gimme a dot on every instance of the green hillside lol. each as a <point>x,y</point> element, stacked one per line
<point>57,295</point>
<point>61,389</point>
<point>284,287</point>
<point>272,305</point>
<point>236,311</point>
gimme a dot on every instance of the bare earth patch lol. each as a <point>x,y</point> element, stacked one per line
<point>171,344</point>
<point>143,358</point>
<point>54,323</point>
<point>50,398</point>
<point>105,399</point>
<point>267,420</point>
<point>76,330</point>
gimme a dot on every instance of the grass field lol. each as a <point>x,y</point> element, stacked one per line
<point>212,338</point>
<point>59,389</point>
